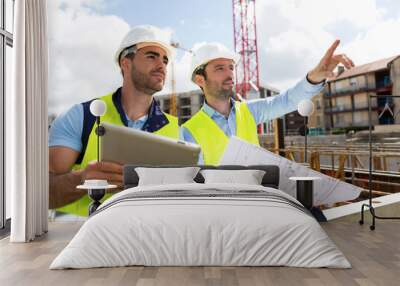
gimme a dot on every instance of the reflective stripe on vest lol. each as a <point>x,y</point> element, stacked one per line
<point>212,138</point>
<point>80,207</point>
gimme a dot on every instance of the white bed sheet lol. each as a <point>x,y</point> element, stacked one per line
<point>189,231</point>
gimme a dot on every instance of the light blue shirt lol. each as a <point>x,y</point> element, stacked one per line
<point>263,109</point>
<point>66,130</point>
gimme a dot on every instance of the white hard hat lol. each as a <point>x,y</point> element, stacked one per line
<point>146,35</point>
<point>210,51</point>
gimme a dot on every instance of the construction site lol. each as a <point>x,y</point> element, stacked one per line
<point>338,128</point>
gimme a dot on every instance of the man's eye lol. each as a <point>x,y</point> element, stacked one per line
<point>151,56</point>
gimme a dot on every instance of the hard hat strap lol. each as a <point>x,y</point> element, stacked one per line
<point>128,51</point>
<point>200,70</point>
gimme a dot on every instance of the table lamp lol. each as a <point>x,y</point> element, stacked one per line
<point>305,108</point>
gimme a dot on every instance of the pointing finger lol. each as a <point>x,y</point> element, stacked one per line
<point>331,50</point>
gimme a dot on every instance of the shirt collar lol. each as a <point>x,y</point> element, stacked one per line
<point>213,113</point>
<point>156,119</point>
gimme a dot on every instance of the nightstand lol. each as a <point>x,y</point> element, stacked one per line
<point>305,195</point>
<point>304,190</point>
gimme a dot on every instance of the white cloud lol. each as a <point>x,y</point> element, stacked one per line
<point>293,35</point>
<point>377,43</point>
<point>81,43</point>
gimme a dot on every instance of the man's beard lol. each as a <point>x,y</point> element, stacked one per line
<point>218,92</point>
<point>143,83</point>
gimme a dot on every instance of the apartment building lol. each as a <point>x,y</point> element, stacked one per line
<point>344,101</point>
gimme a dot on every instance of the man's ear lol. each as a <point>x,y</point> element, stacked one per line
<point>199,80</point>
<point>124,63</point>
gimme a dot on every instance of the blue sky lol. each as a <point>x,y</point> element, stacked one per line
<point>292,37</point>
<point>192,21</point>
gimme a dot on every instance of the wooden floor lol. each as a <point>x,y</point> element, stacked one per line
<point>375,257</point>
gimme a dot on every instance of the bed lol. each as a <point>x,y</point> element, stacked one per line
<point>201,224</point>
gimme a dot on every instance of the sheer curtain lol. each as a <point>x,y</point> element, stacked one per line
<point>26,123</point>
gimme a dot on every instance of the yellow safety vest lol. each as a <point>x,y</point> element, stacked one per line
<point>212,138</point>
<point>80,206</point>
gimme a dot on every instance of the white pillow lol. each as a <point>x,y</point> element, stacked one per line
<point>248,177</point>
<point>163,176</point>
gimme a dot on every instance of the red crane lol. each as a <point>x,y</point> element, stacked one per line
<point>245,37</point>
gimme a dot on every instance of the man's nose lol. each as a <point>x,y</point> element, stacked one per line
<point>229,74</point>
<point>161,65</point>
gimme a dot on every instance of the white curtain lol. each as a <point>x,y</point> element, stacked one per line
<point>26,123</point>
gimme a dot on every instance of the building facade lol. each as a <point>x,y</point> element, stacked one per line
<point>343,104</point>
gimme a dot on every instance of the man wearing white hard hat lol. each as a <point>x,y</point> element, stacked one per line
<point>143,56</point>
<point>221,117</point>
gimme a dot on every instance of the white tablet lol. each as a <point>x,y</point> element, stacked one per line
<point>131,146</point>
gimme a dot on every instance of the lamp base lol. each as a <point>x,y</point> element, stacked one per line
<point>96,195</point>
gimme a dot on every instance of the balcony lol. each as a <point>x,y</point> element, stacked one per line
<point>381,86</point>
<point>338,108</point>
<point>364,105</point>
<point>348,108</point>
<point>347,91</point>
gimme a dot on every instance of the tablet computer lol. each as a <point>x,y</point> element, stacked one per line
<point>132,146</point>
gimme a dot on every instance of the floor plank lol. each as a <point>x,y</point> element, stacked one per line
<point>374,255</point>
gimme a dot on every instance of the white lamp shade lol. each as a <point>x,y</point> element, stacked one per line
<point>98,107</point>
<point>305,107</point>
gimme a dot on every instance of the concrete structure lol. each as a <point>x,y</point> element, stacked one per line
<point>293,121</point>
<point>188,103</point>
<point>344,100</point>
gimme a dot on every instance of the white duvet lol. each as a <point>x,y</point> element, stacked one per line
<point>268,228</point>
